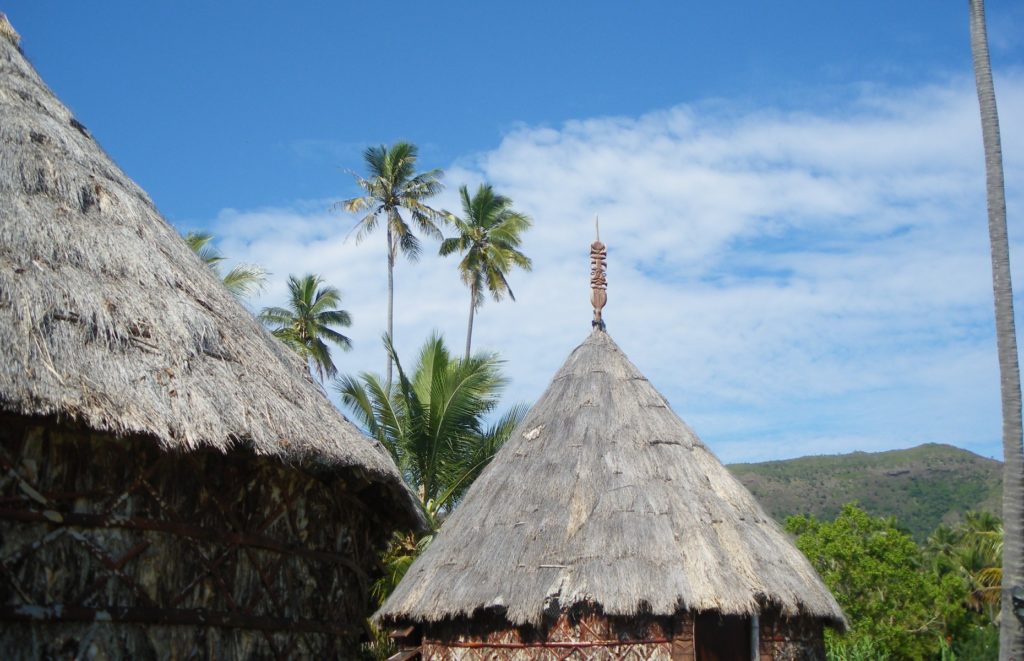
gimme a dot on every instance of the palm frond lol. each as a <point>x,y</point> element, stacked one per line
<point>309,320</point>
<point>432,419</point>
<point>276,316</point>
<point>242,280</point>
<point>357,399</point>
<point>336,338</point>
<point>201,244</point>
<point>245,280</point>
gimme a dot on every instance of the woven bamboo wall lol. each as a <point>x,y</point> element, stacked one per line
<point>784,639</point>
<point>112,548</point>
<point>592,637</point>
<point>575,636</point>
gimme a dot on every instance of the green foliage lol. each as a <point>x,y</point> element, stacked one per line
<point>433,424</point>
<point>308,323</point>
<point>242,280</point>
<point>874,569</point>
<point>972,551</point>
<point>922,486</point>
<point>904,601</point>
<point>432,421</point>
<point>392,185</point>
<point>379,647</point>
<point>488,238</point>
<point>861,648</point>
<point>977,643</point>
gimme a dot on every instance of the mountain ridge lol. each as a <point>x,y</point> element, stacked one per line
<point>921,486</point>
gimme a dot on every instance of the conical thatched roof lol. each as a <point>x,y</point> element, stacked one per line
<point>603,496</point>
<point>108,319</point>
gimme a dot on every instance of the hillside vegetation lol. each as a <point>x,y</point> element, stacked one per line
<point>922,486</point>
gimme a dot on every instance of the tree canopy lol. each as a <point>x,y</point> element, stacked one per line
<point>434,423</point>
<point>902,601</point>
<point>488,239</point>
<point>307,323</point>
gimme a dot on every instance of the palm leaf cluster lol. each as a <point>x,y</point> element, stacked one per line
<point>432,420</point>
<point>242,280</point>
<point>488,240</point>
<point>392,185</point>
<point>973,550</point>
<point>432,423</point>
<point>306,325</point>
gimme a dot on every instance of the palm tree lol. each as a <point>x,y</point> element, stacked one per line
<point>392,185</point>
<point>981,551</point>
<point>1011,630</point>
<point>489,236</point>
<point>242,280</point>
<point>973,551</point>
<point>306,324</point>
<point>433,426</point>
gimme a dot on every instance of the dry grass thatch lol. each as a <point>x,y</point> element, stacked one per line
<point>603,496</point>
<point>108,319</point>
<point>8,32</point>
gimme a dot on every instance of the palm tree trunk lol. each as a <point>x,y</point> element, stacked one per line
<point>1011,631</point>
<point>391,297</point>
<point>472,309</point>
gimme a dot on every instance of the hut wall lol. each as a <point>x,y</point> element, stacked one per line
<point>586,636</point>
<point>574,636</point>
<point>791,639</point>
<point>113,548</point>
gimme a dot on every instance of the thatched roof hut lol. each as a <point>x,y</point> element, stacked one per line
<point>173,480</point>
<point>604,522</point>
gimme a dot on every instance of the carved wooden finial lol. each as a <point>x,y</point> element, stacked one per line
<point>598,280</point>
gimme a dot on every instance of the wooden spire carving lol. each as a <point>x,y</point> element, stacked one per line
<point>598,280</point>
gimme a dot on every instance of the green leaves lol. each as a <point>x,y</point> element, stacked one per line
<point>902,601</point>
<point>972,551</point>
<point>242,280</point>
<point>432,423</point>
<point>307,324</point>
<point>872,569</point>
<point>489,235</point>
<point>392,184</point>
<point>432,420</point>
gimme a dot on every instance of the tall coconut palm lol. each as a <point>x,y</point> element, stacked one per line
<point>1011,630</point>
<point>391,185</point>
<point>242,280</point>
<point>306,325</point>
<point>433,423</point>
<point>489,235</point>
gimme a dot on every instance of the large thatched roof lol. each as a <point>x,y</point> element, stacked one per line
<point>603,496</point>
<point>108,319</point>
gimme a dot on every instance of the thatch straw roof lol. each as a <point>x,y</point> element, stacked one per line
<point>108,319</point>
<point>604,497</point>
<point>8,32</point>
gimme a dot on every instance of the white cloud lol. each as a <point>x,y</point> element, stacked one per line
<point>793,282</point>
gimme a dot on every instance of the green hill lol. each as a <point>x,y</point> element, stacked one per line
<point>922,487</point>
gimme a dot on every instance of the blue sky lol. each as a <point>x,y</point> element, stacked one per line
<point>792,192</point>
